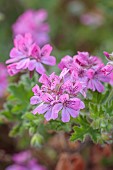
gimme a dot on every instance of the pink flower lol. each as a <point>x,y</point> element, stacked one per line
<point>24,161</point>
<point>33,22</point>
<point>3,79</point>
<point>28,55</point>
<point>109,57</point>
<point>95,79</point>
<point>56,95</point>
<point>88,70</point>
<point>85,60</point>
<point>107,69</point>
<point>69,107</point>
<point>16,167</point>
<point>66,62</point>
<point>22,157</point>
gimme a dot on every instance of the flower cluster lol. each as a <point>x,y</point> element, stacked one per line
<point>109,67</point>
<point>33,22</point>
<point>3,79</point>
<point>57,95</point>
<point>28,55</point>
<point>24,161</point>
<point>89,70</point>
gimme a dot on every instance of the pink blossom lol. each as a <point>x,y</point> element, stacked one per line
<point>69,106</point>
<point>28,55</point>
<point>25,161</point>
<point>33,22</point>
<point>21,157</point>
<point>106,54</point>
<point>3,79</point>
<point>109,57</point>
<point>85,60</point>
<point>16,167</point>
<point>107,69</point>
<point>88,70</point>
<point>55,96</point>
<point>66,62</point>
<point>95,79</point>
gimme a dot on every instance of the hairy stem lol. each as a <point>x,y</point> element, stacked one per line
<point>110,96</point>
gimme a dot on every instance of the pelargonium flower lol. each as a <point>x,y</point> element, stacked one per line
<point>85,60</point>
<point>21,157</point>
<point>24,161</point>
<point>109,57</point>
<point>88,70</point>
<point>95,77</point>
<point>3,79</point>
<point>28,55</point>
<point>56,95</point>
<point>33,22</point>
<point>107,69</point>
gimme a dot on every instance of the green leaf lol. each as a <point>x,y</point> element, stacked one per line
<point>37,140</point>
<point>20,93</point>
<point>29,116</point>
<point>16,130</point>
<point>83,129</point>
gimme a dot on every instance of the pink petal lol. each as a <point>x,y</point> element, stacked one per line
<point>32,65</point>
<point>48,114</point>
<point>104,78</point>
<point>55,110</point>
<point>90,85</point>
<point>12,60</point>
<point>90,73</point>
<point>34,51</point>
<point>42,108</point>
<point>49,60</point>
<point>64,72</point>
<point>23,64</point>
<point>47,97</point>
<point>35,100</point>
<point>64,98</point>
<point>82,105</point>
<point>16,53</point>
<point>65,115</point>
<point>72,112</point>
<point>36,90</point>
<point>12,69</point>
<point>17,40</point>
<point>74,103</point>
<point>46,50</point>
<point>40,68</point>
<point>65,62</point>
<point>99,86</point>
<point>44,79</point>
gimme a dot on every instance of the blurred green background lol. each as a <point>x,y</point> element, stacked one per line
<point>68,34</point>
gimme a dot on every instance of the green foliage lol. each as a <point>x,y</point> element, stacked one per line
<point>18,111</point>
<point>96,122</point>
<point>58,125</point>
<point>67,35</point>
<point>83,129</point>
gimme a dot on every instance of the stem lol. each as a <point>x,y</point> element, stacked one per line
<point>31,73</point>
<point>110,96</point>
